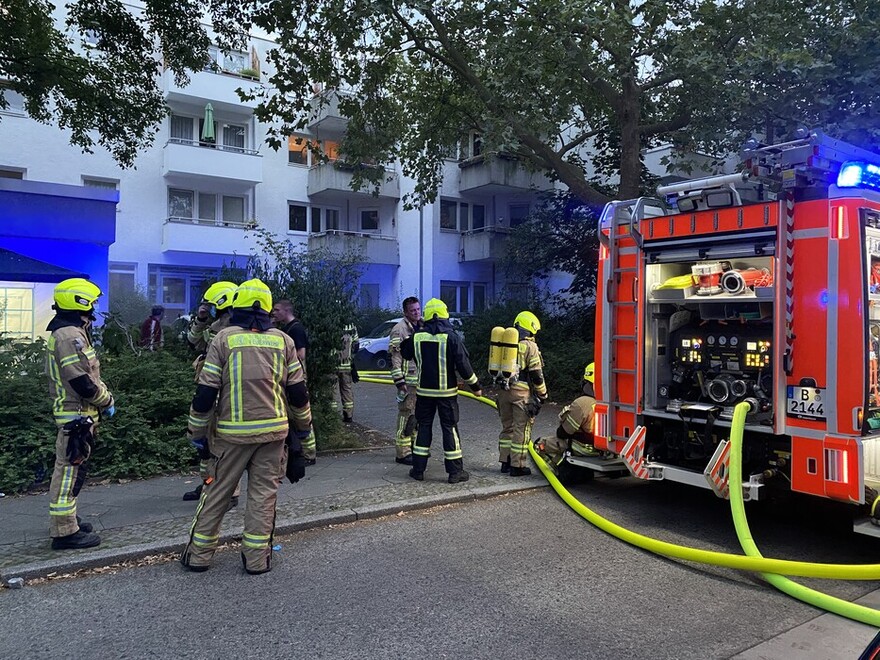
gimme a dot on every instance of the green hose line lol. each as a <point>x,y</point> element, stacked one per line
<point>755,564</point>
<point>737,507</point>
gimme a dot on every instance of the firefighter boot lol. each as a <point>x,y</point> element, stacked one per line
<point>520,471</point>
<point>88,528</point>
<point>505,465</point>
<point>406,460</point>
<point>459,477</point>
<point>76,541</point>
<point>418,476</point>
<point>193,494</point>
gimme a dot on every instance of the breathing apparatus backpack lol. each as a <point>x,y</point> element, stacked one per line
<point>503,352</point>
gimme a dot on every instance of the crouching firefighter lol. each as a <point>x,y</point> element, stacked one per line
<point>79,398</point>
<point>212,316</point>
<point>575,431</point>
<point>253,370</point>
<point>520,400</point>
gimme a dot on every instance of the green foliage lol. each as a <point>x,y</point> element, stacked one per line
<point>566,343</point>
<point>130,307</point>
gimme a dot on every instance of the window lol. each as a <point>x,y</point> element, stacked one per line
<point>458,298</point>
<point>215,59</point>
<point>298,150</point>
<point>448,214</point>
<point>104,184</point>
<point>479,298</point>
<point>207,207</point>
<point>234,62</point>
<point>331,219</point>
<point>11,174</point>
<point>296,217</point>
<point>181,128</point>
<point>14,102</point>
<point>233,210</point>
<point>122,282</point>
<point>234,137</point>
<point>178,289</point>
<point>478,220</point>
<point>369,220</point>
<point>180,203</point>
<point>463,216</point>
<point>329,148</point>
<point>369,298</point>
<point>518,214</point>
<point>16,311</point>
<point>316,220</point>
<point>475,145</point>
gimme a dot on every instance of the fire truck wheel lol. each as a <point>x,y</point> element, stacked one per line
<point>572,475</point>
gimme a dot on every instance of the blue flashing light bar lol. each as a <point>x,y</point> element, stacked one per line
<point>856,174</point>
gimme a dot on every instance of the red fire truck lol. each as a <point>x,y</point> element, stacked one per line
<point>760,287</point>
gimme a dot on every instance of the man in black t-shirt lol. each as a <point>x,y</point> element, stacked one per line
<point>285,318</point>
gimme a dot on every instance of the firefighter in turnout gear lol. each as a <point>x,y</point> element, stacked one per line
<point>575,431</point>
<point>346,372</point>
<point>253,370</point>
<point>405,377</point>
<point>212,316</point>
<point>520,400</point>
<point>79,398</point>
<point>438,353</point>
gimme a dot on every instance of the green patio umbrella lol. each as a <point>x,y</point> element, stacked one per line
<point>208,126</point>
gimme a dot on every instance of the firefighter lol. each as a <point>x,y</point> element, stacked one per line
<point>346,372</point>
<point>212,316</point>
<point>405,377</point>
<point>575,431</point>
<point>254,371</point>
<point>79,398</point>
<point>438,353</point>
<point>520,401</point>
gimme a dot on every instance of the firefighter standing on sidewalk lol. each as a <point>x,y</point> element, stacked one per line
<point>254,370</point>
<point>78,395</point>
<point>212,316</point>
<point>439,354</point>
<point>519,402</point>
<point>346,372</point>
<point>405,377</point>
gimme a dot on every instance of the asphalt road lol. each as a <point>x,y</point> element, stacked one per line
<point>519,576</point>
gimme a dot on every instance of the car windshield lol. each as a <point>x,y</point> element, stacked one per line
<point>381,330</point>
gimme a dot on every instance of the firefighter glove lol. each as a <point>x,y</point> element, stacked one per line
<point>109,411</point>
<point>201,445</point>
<point>401,394</point>
<point>533,407</point>
<point>354,374</point>
<point>296,467</point>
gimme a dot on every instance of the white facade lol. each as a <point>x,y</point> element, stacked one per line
<point>187,207</point>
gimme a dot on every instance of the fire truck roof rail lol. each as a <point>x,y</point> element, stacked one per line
<point>628,212</point>
<point>701,184</point>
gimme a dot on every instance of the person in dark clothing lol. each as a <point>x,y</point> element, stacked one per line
<point>151,329</point>
<point>439,354</point>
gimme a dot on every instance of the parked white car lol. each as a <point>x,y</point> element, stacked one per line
<point>373,353</point>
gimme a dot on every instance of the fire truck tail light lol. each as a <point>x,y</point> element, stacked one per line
<point>838,223</point>
<point>603,253</point>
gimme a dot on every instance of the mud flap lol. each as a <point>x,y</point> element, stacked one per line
<point>718,470</point>
<point>633,453</point>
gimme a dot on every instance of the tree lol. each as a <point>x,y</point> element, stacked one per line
<point>573,87</point>
<point>104,88</point>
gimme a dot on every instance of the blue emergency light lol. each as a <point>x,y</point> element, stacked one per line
<point>856,174</point>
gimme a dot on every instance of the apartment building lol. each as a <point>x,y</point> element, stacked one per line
<point>190,204</point>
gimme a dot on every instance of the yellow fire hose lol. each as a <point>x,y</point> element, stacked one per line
<point>771,569</point>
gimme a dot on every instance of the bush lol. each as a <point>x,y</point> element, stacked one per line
<point>566,344</point>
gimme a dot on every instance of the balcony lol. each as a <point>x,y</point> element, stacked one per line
<point>329,180</point>
<point>207,236</point>
<point>218,162</point>
<point>483,244</point>
<point>373,248</point>
<point>204,86</point>
<point>325,117</point>
<point>499,174</point>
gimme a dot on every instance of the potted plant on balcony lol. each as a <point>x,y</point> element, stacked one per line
<point>253,74</point>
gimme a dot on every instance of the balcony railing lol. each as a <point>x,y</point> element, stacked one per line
<point>485,244</point>
<point>193,158</point>
<point>373,248</point>
<point>209,236</point>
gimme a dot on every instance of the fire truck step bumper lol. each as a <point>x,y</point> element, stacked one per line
<point>597,463</point>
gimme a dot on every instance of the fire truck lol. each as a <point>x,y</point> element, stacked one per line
<point>760,287</point>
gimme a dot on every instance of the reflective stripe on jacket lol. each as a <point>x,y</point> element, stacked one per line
<point>71,355</point>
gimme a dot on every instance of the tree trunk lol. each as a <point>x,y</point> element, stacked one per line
<point>630,151</point>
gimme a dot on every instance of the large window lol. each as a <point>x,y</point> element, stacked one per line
<point>300,150</point>
<point>206,207</point>
<point>16,311</point>
<point>178,289</point>
<point>233,62</point>
<point>461,216</point>
<point>463,297</point>
<point>369,219</point>
<point>181,128</point>
<point>122,282</point>
<point>448,214</point>
<point>518,214</point>
<point>189,130</point>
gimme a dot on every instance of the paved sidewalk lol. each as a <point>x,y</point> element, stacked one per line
<point>139,518</point>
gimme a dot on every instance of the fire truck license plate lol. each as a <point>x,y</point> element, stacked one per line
<point>806,402</point>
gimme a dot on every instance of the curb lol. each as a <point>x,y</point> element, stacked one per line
<point>99,558</point>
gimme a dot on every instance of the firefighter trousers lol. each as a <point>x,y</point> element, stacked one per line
<point>406,423</point>
<point>446,408</point>
<point>516,427</point>
<point>265,464</point>
<point>63,489</point>
<point>346,392</point>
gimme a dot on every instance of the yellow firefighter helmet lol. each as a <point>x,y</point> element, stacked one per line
<point>590,373</point>
<point>528,322</point>
<point>251,293</point>
<point>435,308</point>
<point>76,294</point>
<point>220,294</point>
